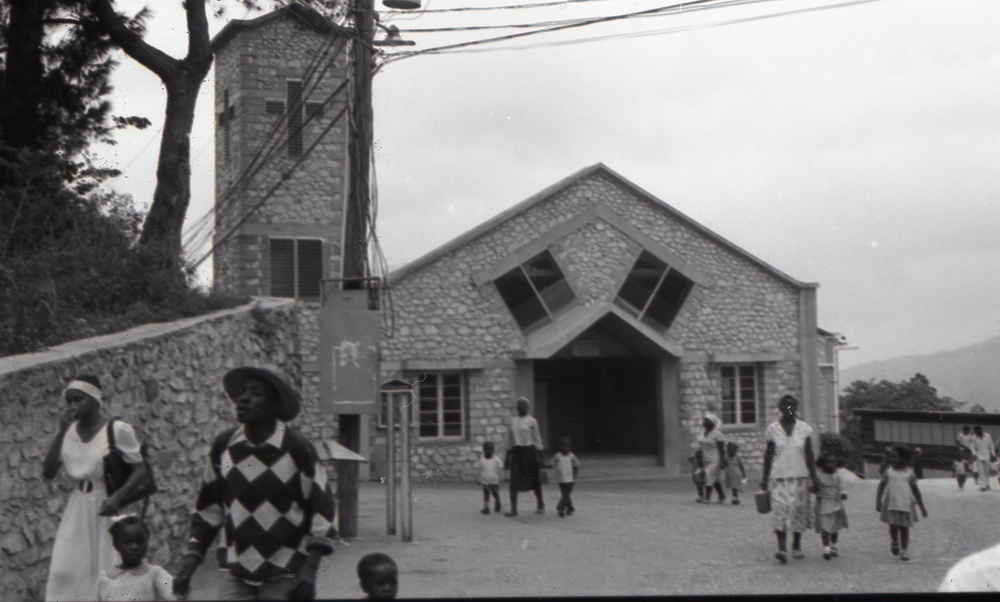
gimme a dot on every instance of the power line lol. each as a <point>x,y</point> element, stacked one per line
<point>461,9</point>
<point>582,23</point>
<point>467,47</point>
<point>284,176</point>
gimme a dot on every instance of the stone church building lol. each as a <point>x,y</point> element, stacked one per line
<point>621,319</point>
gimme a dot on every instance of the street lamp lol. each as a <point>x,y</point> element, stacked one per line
<point>402,4</point>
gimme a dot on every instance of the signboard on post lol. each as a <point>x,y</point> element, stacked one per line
<point>349,352</point>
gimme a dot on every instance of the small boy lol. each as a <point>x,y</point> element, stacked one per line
<point>958,469</point>
<point>736,474</point>
<point>379,576</point>
<point>698,473</point>
<point>134,578</point>
<point>490,469</point>
<point>566,467</point>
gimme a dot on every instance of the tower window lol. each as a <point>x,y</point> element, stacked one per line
<point>296,268</point>
<point>535,291</point>
<point>653,292</point>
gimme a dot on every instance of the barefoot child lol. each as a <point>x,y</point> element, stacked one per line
<point>831,516</point>
<point>897,498</point>
<point>566,466</point>
<point>379,576</point>
<point>958,469</point>
<point>698,473</point>
<point>490,469</point>
<point>736,474</point>
<point>134,578</point>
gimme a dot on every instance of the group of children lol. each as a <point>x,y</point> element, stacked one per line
<point>135,579</point>
<point>564,463</point>
<point>897,498</point>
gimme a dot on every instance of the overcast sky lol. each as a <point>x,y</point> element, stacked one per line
<point>857,147</point>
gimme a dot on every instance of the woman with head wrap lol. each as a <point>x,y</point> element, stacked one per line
<point>83,548</point>
<point>713,455</point>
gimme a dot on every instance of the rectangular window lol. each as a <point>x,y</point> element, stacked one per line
<point>293,96</point>
<point>296,268</point>
<point>535,291</point>
<point>441,405</point>
<point>739,394</point>
<point>654,292</point>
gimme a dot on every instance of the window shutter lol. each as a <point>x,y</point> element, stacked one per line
<point>282,267</point>
<point>310,268</point>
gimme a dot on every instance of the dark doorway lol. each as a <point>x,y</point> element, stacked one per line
<point>605,405</point>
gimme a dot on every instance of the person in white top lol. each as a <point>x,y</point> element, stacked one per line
<point>490,469</point>
<point>524,457</point>
<point>983,456</point>
<point>566,467</point>
<point>83,549</point>
<point>789,474</point>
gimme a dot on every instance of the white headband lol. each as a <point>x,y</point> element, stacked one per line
<point>84,387</point>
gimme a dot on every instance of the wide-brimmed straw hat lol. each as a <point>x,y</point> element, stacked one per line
<point>288,397</point>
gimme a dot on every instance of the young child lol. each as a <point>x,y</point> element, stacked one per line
<point>134,578</point>
<point>698,473</point>
<point>958,469</point>
<point>379,576</point>
<point>736,474</point>
<point>896,499</point>
<point>566,467</point>
<point>831,516</point>
<point>490,469</point>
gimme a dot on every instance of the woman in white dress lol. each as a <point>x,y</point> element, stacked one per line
<point>82,548</point>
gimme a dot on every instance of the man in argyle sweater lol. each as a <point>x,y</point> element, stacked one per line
<point>266,490</point>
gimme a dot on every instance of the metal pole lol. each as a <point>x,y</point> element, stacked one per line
<point>390,454</point>
<point>406,520</point>
<point>357,209</point>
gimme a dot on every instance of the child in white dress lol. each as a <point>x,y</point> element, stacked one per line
<point>134,578</point>
<point>897,498</point>
<point>490,469</point>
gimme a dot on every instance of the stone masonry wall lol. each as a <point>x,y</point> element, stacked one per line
<point>442,315</point>
<point>164,379</point>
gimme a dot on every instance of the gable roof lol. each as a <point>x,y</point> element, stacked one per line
<point>305,14</point>
<point>558,187</point>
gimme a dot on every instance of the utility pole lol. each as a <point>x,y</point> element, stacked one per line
<point>357,209</point>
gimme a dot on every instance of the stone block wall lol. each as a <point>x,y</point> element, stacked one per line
<point>165,379</point>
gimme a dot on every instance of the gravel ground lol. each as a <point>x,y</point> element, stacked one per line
<point>640,538</point>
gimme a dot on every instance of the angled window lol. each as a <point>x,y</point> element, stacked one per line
<point>653,292</point>
<point>535,291</point>
<point>441,405</point>
<point>296,268</point>
<point>739,394</point>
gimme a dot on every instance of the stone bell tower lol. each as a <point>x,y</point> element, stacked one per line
<point>280,154</point>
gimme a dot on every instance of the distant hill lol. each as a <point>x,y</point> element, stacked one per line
<point>969,374</point>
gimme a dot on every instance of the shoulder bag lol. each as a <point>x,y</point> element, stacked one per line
<point>117,471</point>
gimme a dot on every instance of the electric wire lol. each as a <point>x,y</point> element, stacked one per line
<point>461,9</point>
<point>469,47</point>
<point>274,188</point>
<point>199,234</point>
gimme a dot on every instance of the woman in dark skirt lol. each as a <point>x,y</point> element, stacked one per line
<point>524,457</point>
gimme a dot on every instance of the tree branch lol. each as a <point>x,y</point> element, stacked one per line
<point>150,57</point>
<point>199,42</point>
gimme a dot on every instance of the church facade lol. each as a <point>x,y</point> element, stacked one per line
<point>621,319</point>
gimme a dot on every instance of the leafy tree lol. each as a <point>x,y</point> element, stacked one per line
<point>914,394</point>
